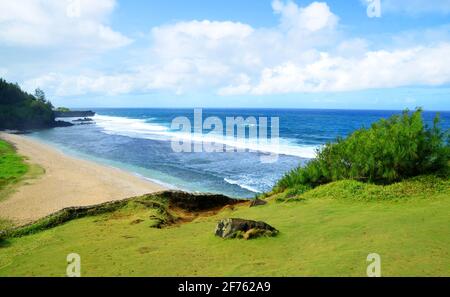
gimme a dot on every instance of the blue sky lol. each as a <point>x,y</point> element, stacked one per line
<point>253,53</point>
<point>258,13</point>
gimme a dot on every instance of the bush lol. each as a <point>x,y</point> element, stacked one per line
<point>391,150</point>
<point>63,109</point>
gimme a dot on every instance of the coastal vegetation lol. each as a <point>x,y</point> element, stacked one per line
<point>389,151</point>
<point>62,109</point>
<point>20,110</point>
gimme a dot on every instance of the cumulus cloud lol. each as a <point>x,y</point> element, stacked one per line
<point>62,23</point>
<point>377,69</point>
<point>197,53</point>
<point>207,54</point>
<point>305,52</point>
<point>183,56</point>
<point>314,17</point>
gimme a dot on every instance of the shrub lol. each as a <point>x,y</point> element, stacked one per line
<point>390,150</point>
<point>63,109</point>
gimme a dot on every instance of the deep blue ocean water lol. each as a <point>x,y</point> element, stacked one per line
<point>139,140</point>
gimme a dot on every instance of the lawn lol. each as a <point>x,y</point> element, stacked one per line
<point>328,231</point>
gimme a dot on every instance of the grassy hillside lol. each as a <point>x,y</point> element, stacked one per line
<point>325,232</point>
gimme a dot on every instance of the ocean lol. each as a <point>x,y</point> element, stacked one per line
<point>141,142</point>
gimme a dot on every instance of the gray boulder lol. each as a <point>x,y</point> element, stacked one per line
<point>246,229</point>
<point>257,202</point>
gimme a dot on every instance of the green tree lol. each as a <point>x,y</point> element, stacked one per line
<point>21,110</point>
<point>39,95</point>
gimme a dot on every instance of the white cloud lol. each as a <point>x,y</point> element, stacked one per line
<point>208,54</point>
<point>377,69</point>
<point>198,53</point>
<point>62,23</point>
<point>206,30</point>
<point>306,52</point>
<point>314,17</point>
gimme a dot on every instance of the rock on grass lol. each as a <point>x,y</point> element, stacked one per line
<point>246,229</point>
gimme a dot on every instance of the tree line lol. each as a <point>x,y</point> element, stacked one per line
<point>20,110</point>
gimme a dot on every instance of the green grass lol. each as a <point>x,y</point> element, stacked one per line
<point>414,188</point>
<point>14,169</point>
<point>12,166</point>
<point>325,232</point>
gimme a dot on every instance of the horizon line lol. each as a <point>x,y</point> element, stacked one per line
<point>268,108</point>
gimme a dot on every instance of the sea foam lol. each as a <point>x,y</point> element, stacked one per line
<point>142,128</point>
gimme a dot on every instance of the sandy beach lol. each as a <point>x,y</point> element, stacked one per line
<point>67,182</point>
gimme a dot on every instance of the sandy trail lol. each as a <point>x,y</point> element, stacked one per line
<point>67,182</point>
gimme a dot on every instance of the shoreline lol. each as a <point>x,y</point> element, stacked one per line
<point>67,182</point>
<point>102,162</point>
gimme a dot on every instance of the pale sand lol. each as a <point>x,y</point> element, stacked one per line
<point>67,182</point>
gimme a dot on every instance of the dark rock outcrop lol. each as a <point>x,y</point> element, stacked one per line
<point>74,114</point>
<point>57,124</point>
<point>83,120</point>
<point>257,202</point>
<point>241,228</point>
<point>197,202</point>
